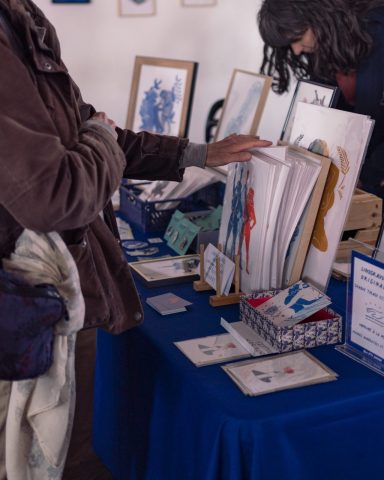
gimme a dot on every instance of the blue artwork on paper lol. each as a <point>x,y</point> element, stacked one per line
<point>157,108</point>
<point>236,124</point>
<point>233,234</point>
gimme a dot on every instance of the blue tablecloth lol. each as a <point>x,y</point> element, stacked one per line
<point>158,417</point>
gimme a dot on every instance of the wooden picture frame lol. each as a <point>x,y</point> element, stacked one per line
<point>128,8</point>
<point>163,271</point>
<point>309,92</point>
<point>198,3</point>
<point>161,95</point>
<point>244,104</point>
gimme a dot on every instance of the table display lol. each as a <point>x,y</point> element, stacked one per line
<point>158,416</point>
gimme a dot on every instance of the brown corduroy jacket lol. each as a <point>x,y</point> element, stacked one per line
<point>58,172</point>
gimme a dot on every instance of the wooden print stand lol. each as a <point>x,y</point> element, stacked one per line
<point>219,299</point>
<point>201,285</point>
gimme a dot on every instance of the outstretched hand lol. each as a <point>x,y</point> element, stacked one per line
<point>233,149</point>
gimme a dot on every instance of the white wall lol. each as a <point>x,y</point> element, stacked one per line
<point>99,48</point>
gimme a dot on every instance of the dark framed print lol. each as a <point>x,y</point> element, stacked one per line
<point>308,92</point>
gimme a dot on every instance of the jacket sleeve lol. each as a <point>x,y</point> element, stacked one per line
<point>148,156</point>
<point>43,184</point>
<point>152,157</point>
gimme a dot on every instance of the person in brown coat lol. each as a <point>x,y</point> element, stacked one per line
<point>60,163</point>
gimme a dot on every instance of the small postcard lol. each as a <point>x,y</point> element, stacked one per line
<point>212,349</point>
<point>168,303</point>
<point>294,304</point>
<point>279,372</point>
<point>227,269</point>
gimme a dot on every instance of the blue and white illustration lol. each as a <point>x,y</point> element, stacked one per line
<point>237,123</point>
<point>157,108</point>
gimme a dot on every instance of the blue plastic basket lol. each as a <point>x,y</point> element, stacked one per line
<point>150,218</point>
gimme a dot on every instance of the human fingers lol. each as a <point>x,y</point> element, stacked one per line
<point>103,117</point>
<point>244,142</point>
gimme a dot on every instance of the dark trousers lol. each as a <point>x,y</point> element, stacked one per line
<point>82,463</point>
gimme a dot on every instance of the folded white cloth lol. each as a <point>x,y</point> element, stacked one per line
<point>41,410</point>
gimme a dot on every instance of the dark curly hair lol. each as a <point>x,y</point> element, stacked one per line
<point>341,37</point>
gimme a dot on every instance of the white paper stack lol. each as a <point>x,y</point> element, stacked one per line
<point>264,200</point>
<point>343,137</point>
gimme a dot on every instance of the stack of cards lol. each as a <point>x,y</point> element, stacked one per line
<point>279,372</point>
<point>294,304</point>
<point>168,303</point>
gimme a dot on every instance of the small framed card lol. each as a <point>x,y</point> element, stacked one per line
<point>137,7</point>
<point>279,372</point>
<point>167,271</point>
<point>212,349</point>
<point>308,92</point>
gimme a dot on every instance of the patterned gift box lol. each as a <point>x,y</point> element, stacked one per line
<point>321,328</point>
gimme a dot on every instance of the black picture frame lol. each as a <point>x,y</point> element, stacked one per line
<point>328,97</point>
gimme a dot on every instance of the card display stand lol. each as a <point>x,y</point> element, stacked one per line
<point>219,299</point>
<point>363,223</point>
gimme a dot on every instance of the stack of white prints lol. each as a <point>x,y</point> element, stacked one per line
<point>194,179</point>
<point>213,349</point>
<point>168,303</point>
<point>264,200</point>
<point>343,137</point>
<point>293,304</point>
<point>248,338</point>
<point>227,269</point>
<point>280,372</point>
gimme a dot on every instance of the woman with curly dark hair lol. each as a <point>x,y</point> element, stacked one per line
<point>338,42</point>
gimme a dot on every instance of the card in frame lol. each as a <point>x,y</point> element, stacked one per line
<point>161,95</point>
<point>128,8</point>
<point>159,272</point>
<point>278,372</point>
<point>309,92</point>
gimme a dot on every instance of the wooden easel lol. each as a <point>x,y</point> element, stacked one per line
<point>219,299</point>
<point>201,285</point>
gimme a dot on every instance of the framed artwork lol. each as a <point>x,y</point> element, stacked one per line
<point>212,349</point>
<point>198,3</point>
<point>161,96</point>
<point>243,104</point>
<point>279,372</point>
<point>167,271</point>
<point>308,92</point>
<point>137,7</point>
